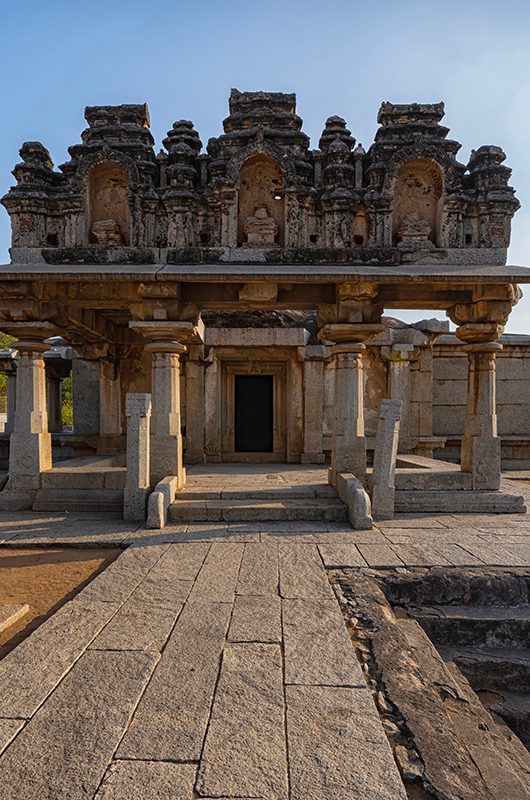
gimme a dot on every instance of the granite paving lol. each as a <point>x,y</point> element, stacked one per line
<point>213,661</point>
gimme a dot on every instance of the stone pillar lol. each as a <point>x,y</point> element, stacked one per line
<point>481,447</point>
<point>137,482</point>
<point>314,356</point>
<point>11,401</point>
<point>348,440</point>
<point>348,448</point>
<point>85,396</point>
<point>195,431</point>
<point>109,399</point>
<point>53,396</point>
<point>385,454</point>
<point>30,444</point>
<point>400,389</point>
<point>166,437</point>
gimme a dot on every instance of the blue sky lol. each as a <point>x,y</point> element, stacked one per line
<point>339,57</point>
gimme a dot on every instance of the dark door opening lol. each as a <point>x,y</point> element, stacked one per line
<point>254,413</point>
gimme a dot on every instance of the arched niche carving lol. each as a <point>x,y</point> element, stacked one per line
<point>109,215</point>
<point>417,204</point>
<point>261,203</point>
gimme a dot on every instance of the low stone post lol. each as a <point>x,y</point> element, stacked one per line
<point>137,481</point>
<point>481,447</point>
<point>385,455</point>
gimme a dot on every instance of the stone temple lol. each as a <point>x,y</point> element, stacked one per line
<point>235,305</point>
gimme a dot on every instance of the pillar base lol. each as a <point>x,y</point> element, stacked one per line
<point>11,500</point>
<point>312,458</point>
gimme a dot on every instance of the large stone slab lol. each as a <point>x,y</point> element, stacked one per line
<point>218,577</point>
<point>170,721</point>
<point>64,750</point>
<point>256,619</point>
<point>341,555</point>
<point>10,614</point>
<point>138,625</point>
<point>34,668</point>
<point>122,577</point>
<point>170,581</point>
<point>380,555</point>
<point>8,730</point>
<point>148,780</point>
<point>259,570</point>
<point>245,751</point>
<point>337,748</point>
<point>302,574</point>
<point>318,649</point>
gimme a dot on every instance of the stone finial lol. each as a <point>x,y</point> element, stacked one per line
<point>183,132</point>
<point>335,128</point>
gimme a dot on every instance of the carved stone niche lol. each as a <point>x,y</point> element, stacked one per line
<point>261,203</point>
<point>109,216</point>
<point>417,205</point>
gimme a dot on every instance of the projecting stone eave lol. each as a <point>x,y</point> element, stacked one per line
<point>391,273</point>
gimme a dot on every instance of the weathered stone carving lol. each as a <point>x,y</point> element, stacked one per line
<point>261,230</point>
<point>406,195</point>
<point>414,232</point>
<point>107,232</point>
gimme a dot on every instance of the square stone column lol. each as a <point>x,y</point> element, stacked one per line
<point>400,389</point>
<point>481,447</point>
<point>30,451</point>
<point>166,436</point>
<point>138,478</point>
<point>314,356</point>
<point>53,395</point>
<point>348,452</point>
<point>165,337</point>
<point>11,401</point>
<point>195,428</point>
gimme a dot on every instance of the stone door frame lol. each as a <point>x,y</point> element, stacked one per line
<point>229,370</point>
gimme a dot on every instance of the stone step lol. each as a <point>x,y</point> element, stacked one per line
<point>74,478</point>
<point>199,492</point>
<point>431,480</point>
<point>78,500</point>
<point>459,502</point>
<point>257,510</point>
<point>483,626</point>
<point>492,667</point>
<point>514,708</point>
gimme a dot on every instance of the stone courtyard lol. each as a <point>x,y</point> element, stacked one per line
<point>322,589</point>
<point>213,660</point>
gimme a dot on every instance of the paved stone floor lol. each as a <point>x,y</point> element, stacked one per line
<point>212,661</point>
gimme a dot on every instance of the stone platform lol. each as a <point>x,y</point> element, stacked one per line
<point>212,660</point>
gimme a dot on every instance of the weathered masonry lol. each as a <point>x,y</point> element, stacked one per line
<point>244,288</point>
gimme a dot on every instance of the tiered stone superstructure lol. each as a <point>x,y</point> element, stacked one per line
<point>407,194</point>
<point>154,268</point>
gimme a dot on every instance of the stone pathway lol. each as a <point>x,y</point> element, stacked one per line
<point>212,661</point>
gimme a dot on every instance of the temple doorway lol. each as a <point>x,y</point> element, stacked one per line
<point>253,423</point>
<point>254,411</point>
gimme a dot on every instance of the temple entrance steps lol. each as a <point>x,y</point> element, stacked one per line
<point>257,493</point>
<point>91,483</point>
